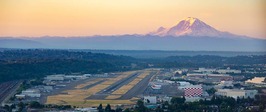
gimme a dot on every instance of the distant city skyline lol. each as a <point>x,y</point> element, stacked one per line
<point>35,18</point>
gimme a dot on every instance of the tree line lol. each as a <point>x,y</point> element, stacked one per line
<point>37,63</point>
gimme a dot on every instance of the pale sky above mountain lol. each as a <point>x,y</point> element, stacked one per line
<point>111,17</point>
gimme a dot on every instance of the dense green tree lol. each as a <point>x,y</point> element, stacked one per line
<point>118,109</point>
<point>100,108</point>
<point>35,104</point>
<point>178,100</point>
<point>224,107</point>
<point>159,109</point>
<point>140,107</point>
<point>211,91</point>
<point>7,108</point>
<point>21,106</point>
<point>108,108</point>
<point>165,105</point>
<point>127,110</point>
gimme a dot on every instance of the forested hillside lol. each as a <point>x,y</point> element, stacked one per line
<point>23,64</point>
<point>37,63</point>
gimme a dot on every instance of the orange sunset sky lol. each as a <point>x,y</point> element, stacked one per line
<point>34,18</point>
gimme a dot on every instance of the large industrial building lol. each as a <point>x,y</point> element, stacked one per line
<point>55,77</point>
<point>221,71</point>
<point>236,93</point>
<point>62,77</point>
<point>213,77</point>
<point>31,93</point>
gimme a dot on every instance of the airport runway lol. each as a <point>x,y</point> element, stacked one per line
<point>69,86</point>
<point>94,84</point>
<point>119,84</point>
<point>104,93</point>
<point>138,89</point>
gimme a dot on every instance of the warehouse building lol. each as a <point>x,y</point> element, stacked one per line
<point>221,71</point>
<point>31,93</point>
<point>55,77</point>
<point>236,93</point>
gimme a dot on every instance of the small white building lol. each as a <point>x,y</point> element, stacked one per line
<point>226,83</point>
<point>236,93</point>
<point>205,70</point>
<point>156,86</point>
<point>55,77</point>
<point>87,75</point>
<point>150,99</point>
<point>87,109</point>
<point>183,83</point>
<point>20,96</point>
<point>71,77</point>
<point>31,93</point>
<point>178,72</point>
<point>168,81</point>
<point>224,71</point>
<point>49,88</point>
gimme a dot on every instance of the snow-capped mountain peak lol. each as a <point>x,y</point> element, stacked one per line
<point>191,20</point>
<point>190,27</point>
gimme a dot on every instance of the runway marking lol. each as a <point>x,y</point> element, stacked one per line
<point>124,89</point>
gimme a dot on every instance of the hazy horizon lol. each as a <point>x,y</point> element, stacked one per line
<point>29,18</point>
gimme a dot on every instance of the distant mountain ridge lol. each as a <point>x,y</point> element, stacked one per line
<point>190,34</point>
<point>191,27</point>
<point>9,42</point>
<point>133,42</point>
